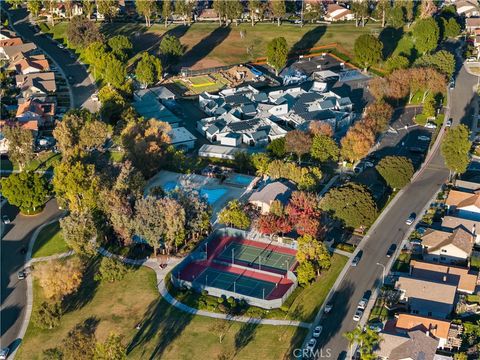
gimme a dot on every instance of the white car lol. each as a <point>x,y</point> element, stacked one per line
<point>60,46</point>
<point>4,353</point>
<point>358,315</point>
<point>430,125</point>
<point>21,275</point>
<point>362,304</point>
<point>5,219</point>
<point>328,308</point>
<point>423,138</point>
<point>317,331</point>
<point>311,344</point>
<point>369,164</point>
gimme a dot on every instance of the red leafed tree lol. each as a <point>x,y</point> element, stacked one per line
<point>272,224</point>
<point>308,225</point>
<point>320,128</point>
<point>303,203</point>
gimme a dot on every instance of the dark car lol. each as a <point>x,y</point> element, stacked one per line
<point>357,258</point>
<point>391,250</point>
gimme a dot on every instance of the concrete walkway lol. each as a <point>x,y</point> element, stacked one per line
<point>162,289</point>
<point>51,257</point>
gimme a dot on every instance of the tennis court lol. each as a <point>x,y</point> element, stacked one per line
<point>256,257</point>
<point>234,282</point>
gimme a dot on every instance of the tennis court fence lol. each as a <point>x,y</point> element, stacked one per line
<point>228,231</point>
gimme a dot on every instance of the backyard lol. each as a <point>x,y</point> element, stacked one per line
<point>164,331</point>
<point>49,241</point>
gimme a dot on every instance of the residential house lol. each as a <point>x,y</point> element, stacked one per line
<point>36,84</point>
<point>466,185</point>
<point>415,345</point>
<point>182,138</point>
<point>207,15</point>
<point>11,42</point>
<point>6,34</point>
<point>148,104</point>
<point>219,151</point>
<point>9,52</point>
<point>437,329</point>
<point>426,298</point>
<point>336,12</point>
<point>274,191</point>
<point>467,8</point>
<point>34,114</point>
<point>450,223</point>
<point>32,64</point>
<point>446,274</point>
<point>447,247</point>
<point>464,204</point>
<point>472,24</point>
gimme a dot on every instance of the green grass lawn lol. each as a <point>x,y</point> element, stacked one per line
<point>165,332</point>
<point>116,156</point>
<point>49,241</point>
<point>402,263</point>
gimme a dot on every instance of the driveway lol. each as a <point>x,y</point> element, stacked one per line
<point>81,84</point>
<point>391,229</point>
<point>13,291</point>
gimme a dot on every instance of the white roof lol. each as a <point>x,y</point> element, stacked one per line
<point>180,135</point>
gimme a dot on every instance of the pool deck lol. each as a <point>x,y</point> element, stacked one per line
<point>198,182</point>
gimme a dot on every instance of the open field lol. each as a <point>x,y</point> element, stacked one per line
<point>165,332</point>
<point>49,241</point>
<point>208,45</point>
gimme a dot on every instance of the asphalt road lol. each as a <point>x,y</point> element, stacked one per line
<point>391,229</point>
<point>13,291</point>
<point>82,85</point>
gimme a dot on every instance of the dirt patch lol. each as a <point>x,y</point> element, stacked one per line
<point>207,63</point>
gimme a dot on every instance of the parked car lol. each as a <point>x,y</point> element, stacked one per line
<point>416,242</point>
<point>5,219</point>
<point>391,250</point>
<point>411,219</point>
<point>357,258</point>
<point>430,125</point>
<point>4,353</point>
<point>377,326</point>
<point>311,344</point>
<point>369,164</point>
<point>423,138</point>
<point>358,315</point>
<point>362,304</point>
<point>21,275</point>
<point>449,122</point>
<point>61,46</point>
<point>317,331</point>
<point>328,307</point>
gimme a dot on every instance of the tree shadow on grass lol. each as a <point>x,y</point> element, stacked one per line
<point>161,322</point>
<point>205,46</point>
<point>390,37</point>
<point>244,335</point>
<point>308,40</point>
<point>87,289</point>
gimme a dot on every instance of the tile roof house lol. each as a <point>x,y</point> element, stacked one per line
<point>446,274</point>
<point>34,110</point>
<point>336,12</point>
<point>467,8</point>
<point>447,247</point>
<point>437,329</point>
<point>450,223</point>
<point>10,52</point>
<point>36,84</point>
<point>31,65</point>
<point>425,297</point>
<point>415,345</point>
<point>11,42</point>
<point>277,190</point>
<point>472,24</point>
<point>464,204</point>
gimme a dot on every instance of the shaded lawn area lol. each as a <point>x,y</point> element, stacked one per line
<point>165,332</point>
<point>230,48</point>
<point>42,161</point>
<point>402,263</point>
<point>49,241</point>
<point>116,156</point>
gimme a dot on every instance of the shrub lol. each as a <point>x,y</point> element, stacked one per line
<point>111,270</point>
<point>52,354</point>
<point>48,315</point>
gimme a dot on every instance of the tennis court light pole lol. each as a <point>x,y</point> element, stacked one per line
<point>233,256</point>
<point>263,294</point>
<point>206,280</point>
<point>259,263</point>
<point>234,286</point>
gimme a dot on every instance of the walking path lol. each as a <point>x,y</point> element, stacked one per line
<point>162,289</point>
<point>51,257</point>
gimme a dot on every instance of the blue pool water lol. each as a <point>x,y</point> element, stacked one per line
<point>241,179</point>
<point>211,195</point>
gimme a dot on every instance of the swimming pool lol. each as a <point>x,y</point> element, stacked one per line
<point>211,195</point>
<point>243,180</point>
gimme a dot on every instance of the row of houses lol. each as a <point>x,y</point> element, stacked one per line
<point>252,117</point>
<point>429,293</point>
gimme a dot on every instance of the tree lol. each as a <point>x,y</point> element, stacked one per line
<point>52,354</point>
<point>220,6</point>
<point>367,50</point>
<point>146,8</point>
<point>234,10</point>
<point>377,116</point>
<point>184,8</point>
<point>320,128</point>
<point>20,145</point>
<point>269,224</point>
<point>278,9</point>
<point>82,32</point>
<point>27,190</point>
<point>305,273</point>
<point>34,6</point>
<point>79,342</point>
<point>220,327</point>
<point>166,10</point>
<point>313,251</point>
<point>397,62</point>
<point>426,35</point>
<point>397,171</point>
<point>171,46</point>
<point>111,270</point>
<point>88,7</point>
<point>149,69</point>
<point>324,148</point>
<point>443,61</point>
<point>395,15</point>
<point>76,185</point>
<point>260,162</point>
<point>115,71</point>
<point>357,142</point>
<point>120,46</point>
<point>455,148</point>
<point>234,215</point>
<point>197,212</point>
<point>80,232</point>
<point>108,8</point>
<point>429,106</point>
<point>14,3</point>
<point>352,203</point>
<point>59,278</point>
<point>277,52</point>
<point>111,349</point>
<point>47,315</point>
<point>277,147</point>
<point>361,11</point>
<point>256,10</point>
<point>298,142</point>
<point>451,28</point>
<point>367,339</point>
<point>94,55</point>
<point>382,9</point>
<point>460,356</point>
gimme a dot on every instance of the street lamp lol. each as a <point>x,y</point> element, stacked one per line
<point>383,272</point>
